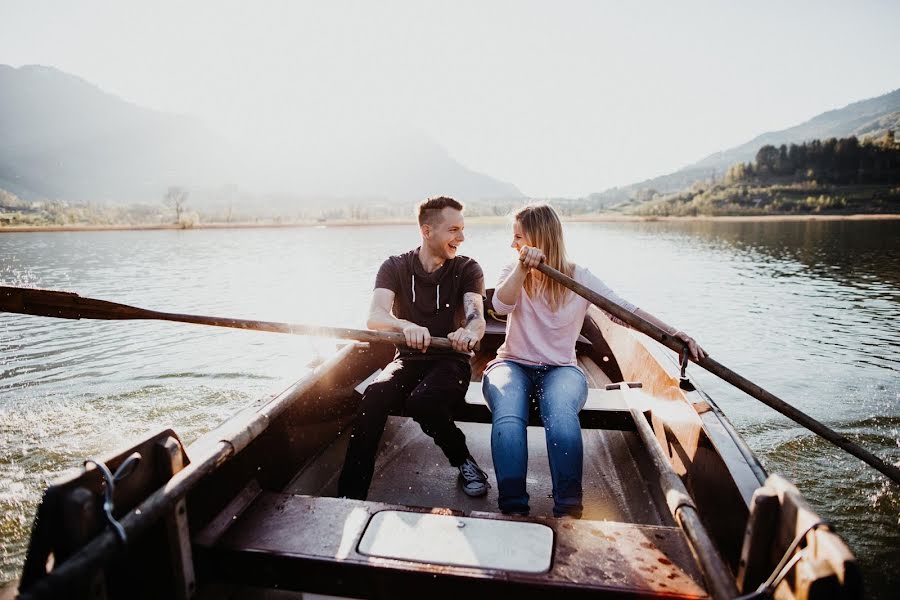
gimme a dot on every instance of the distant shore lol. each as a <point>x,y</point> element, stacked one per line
<point>596,218</point>
<point>600,218</point>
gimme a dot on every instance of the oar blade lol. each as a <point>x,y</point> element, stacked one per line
<point>41,303</point>
<point>61,305</point>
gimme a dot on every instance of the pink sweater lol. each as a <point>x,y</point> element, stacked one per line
<point>535,335</point>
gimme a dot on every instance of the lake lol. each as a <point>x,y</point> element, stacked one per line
<point>809,310</point>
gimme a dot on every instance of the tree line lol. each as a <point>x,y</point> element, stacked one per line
<point>844,161</point>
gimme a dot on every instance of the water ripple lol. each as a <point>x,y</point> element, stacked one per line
<point>808,310</point>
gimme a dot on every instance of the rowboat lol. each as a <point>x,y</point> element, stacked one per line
<point>676,504</point>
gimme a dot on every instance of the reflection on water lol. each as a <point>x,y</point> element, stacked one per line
<point>807,309</point>
<point>857,254</point>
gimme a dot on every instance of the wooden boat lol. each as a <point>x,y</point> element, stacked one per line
<point>676,504</point>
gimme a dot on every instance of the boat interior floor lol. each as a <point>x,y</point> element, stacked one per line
<point>411,470</point>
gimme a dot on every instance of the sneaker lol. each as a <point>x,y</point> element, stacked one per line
<point>569,515</point>
<point>474,481</point>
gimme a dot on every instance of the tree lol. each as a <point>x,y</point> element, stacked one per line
<point>736,172</point>
<point>782,165</point>
<point>767,159</point>
<point>176,200</point>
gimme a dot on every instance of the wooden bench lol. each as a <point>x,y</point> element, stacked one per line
<point>603,410</point>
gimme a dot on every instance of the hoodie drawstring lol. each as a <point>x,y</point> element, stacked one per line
<point>437,300</point>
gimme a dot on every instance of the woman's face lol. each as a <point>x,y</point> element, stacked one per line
<point>519,238</point>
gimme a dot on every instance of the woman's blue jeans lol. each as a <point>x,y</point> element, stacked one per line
<point>560,393</point>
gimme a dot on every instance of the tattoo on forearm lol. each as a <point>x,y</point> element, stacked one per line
<point>473,312</point>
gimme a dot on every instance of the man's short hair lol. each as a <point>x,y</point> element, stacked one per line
<point>430,209</point>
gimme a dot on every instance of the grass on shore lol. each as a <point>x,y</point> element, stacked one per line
<point>788,200</point>
<point>797,198</point>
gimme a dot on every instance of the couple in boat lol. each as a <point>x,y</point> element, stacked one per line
<point>434,292</point>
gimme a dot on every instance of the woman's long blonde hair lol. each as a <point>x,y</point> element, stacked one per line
<point>542,228</point>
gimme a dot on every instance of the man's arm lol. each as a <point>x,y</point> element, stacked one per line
<point>381,319</point>
<point>467,337</point>
<point>474,306</point>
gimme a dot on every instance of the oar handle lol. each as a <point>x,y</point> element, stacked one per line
<point>723,372</point>
<point>68,305</point>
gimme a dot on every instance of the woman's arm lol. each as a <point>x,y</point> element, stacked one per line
<point>696,351</point>
<point>508,291</point>
<point>601,288</point>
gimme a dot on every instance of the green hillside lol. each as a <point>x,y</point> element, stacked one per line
<point>866,120</point>
<point>831,176</point>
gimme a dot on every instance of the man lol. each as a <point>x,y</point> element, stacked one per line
<point>424,293</point>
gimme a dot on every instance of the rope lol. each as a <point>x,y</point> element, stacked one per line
<point>767,588</point>
<point>124,470</point>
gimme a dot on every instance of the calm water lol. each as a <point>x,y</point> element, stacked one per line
<point>808,310</point>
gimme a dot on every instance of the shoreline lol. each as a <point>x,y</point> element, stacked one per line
<point>734,218</point>
<point>596,218</point>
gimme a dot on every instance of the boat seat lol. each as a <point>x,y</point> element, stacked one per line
<point>603,410</point>
<point>596,400</point>
<point>313,544</point>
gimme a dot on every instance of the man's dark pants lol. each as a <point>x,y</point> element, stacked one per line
<point>426,390</point>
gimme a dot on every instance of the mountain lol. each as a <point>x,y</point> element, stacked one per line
<point>865,118</point>
<point>63,138</point>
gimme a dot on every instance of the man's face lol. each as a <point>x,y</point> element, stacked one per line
<point>445,236</point>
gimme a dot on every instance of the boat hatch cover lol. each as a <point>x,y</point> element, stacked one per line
<point>459,541</point>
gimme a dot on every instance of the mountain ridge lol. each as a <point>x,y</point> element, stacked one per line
<point>852,119</point>
<point>65,138</point>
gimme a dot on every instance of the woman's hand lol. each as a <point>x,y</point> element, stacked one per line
<point>530,257</point>
<point>694,348</point>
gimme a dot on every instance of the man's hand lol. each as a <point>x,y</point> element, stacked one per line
<point>417,337</point>
<point>530,257</point>
<point>462,340</point>
<point>693,347</point>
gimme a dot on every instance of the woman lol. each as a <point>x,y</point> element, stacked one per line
<point>537,361</point>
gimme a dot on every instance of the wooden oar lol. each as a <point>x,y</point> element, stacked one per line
<point>68,305</point>
<point>723,372</point>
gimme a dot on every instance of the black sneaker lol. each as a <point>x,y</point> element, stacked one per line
<point>474,481</point>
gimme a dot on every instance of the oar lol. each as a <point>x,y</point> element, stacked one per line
<point>68,305</point>
<point>723,372</point>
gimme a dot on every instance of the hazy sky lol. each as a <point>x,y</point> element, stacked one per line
<point>559,98</point>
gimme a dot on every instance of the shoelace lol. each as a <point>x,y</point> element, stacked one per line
<point>471,471</point>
